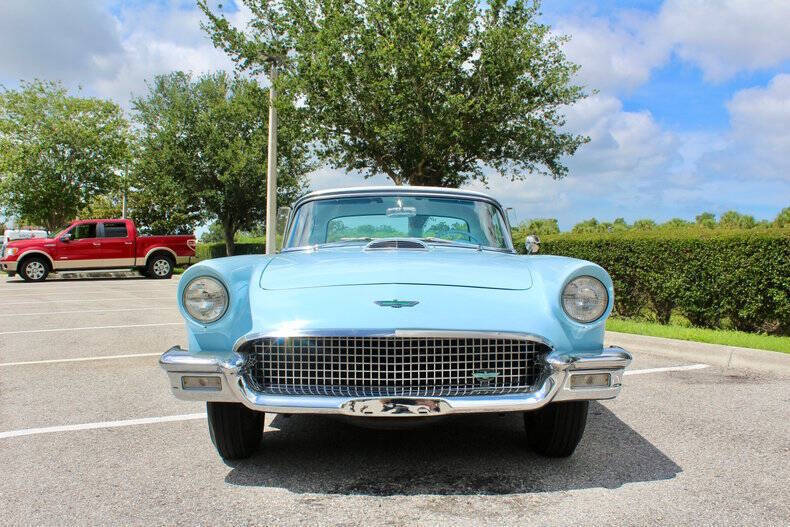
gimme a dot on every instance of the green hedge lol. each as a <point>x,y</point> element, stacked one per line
<point>742,276</point>
<point>205,251</point>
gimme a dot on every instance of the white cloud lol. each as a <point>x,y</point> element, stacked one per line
<point>722,38</point>
<point>728,36</point>
<point>613,56</point>
<point>74,41</point>
<point>158,39</point>
<point>760,120</point>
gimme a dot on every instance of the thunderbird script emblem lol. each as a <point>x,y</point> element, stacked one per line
<point>396,303</point>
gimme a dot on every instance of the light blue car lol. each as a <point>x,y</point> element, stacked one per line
<point>396,303</point>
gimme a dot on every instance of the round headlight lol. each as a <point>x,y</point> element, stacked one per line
<point>584,299</point>
<point>205,299</point>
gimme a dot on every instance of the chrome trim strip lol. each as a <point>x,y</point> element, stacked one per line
<point>438,333</point>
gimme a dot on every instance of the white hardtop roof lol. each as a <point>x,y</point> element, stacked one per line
<point>389,189</point>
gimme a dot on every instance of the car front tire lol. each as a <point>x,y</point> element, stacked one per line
<point>235,430</point>
<point>556,429</point>
<point>34,269</point>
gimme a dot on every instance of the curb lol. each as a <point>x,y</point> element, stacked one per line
<point>713,354</point>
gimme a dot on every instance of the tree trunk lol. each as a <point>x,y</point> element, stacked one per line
<point>230,232</point>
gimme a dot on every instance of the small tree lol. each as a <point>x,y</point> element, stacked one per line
<point>57,152</point>
<point>706,219</point>
<point>783,218</point>
<point>203,144</point>
<point>735,220</point>
<point>428,92</point>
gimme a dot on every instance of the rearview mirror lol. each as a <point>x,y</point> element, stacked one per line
<point>66,238</point>
<point>532,244</point>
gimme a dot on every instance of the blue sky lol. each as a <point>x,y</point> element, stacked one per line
<point>689,108</point>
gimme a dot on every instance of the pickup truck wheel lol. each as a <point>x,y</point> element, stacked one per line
<point>236,431</point>
<point>160,266</point>
<point>556,429</point>
<point>34,269</point>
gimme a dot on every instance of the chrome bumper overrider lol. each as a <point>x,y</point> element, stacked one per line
<point>555,386</point>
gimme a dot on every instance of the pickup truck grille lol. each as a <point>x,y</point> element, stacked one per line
<point>393,366</point>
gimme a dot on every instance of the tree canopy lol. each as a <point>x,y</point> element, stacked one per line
<point>428,92</point>
<point>57,152</point>
<point>203,152</point>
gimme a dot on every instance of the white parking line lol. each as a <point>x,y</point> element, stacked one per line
<point>87,311</point>
<point>78,359</point>
<point>101,424</point>
<point>125,299</point>
<point>668,368</point>
<point>90,327</point>
<point>188,417</point>
<point>94,291</point>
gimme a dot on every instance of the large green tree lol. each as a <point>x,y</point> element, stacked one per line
<point>57,152</point>
<point>428,92</point>
<point>203,148</point>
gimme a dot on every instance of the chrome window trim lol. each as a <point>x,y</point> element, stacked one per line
<point>398,191</point>
<point>437,333</point>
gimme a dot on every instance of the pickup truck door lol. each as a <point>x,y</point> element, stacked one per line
<point>83,250</point>
<point>117,244</point>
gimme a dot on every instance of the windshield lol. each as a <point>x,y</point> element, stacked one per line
<point>363,219</point>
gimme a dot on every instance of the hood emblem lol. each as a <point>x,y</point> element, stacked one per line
<point>396,303</point>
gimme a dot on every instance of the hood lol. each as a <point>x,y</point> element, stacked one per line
<point>438,266</point>
<point>28,242</point>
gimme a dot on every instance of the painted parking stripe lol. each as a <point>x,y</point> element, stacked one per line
<point>79,359</point>
<point>668,368</point>
<point>6,315</point>
<point>101,424</point>
<point>189,417</point>
<point>55,330</point>
<point>125,299</point>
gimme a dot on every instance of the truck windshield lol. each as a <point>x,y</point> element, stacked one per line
<point>363,219</point>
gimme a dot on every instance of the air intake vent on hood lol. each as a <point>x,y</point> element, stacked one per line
<point>396,244</point>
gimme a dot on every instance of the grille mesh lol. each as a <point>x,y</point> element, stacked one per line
<point>393,366</point>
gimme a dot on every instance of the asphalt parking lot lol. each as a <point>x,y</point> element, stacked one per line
<point>91,440</point>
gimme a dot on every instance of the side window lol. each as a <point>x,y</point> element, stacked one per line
<point>83,230</point>
<point>115,230</point>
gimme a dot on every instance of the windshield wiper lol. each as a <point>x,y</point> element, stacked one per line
<point>454,243</point>
<point>344,241</point>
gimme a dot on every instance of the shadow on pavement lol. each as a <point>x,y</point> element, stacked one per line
<point>482,454</point>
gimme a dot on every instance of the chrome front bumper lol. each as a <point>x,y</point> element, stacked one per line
<point>232,387</point>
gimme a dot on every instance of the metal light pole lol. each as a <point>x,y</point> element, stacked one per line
<point>271,165</point>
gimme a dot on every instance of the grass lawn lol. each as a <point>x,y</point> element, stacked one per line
<point>712,336</point>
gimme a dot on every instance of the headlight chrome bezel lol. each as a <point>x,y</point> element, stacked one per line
<point>191,314</point>
<point>602,289</point>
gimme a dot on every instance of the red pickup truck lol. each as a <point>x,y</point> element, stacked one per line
<point>97,244</point>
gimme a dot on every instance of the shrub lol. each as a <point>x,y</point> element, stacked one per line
<point>205,251</point>
<point>707,275</point>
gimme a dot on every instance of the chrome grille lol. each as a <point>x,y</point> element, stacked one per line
<point>393,366</point>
